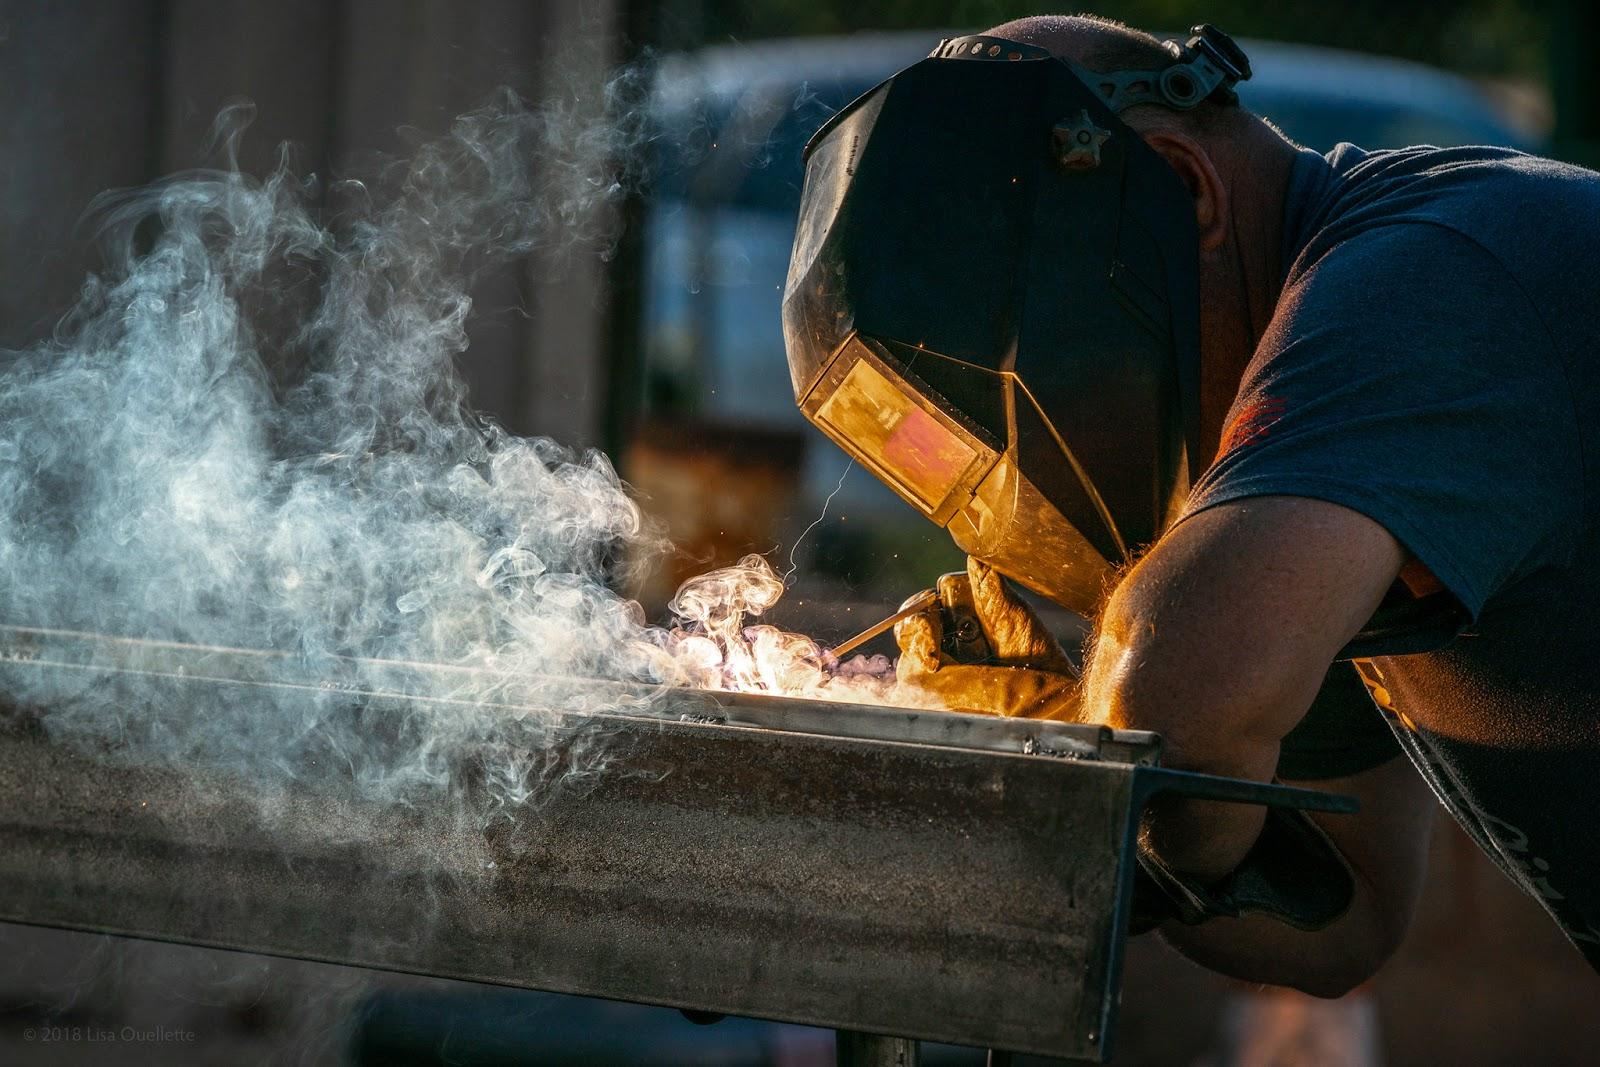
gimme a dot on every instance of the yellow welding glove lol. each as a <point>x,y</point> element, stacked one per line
<point>983,649</point>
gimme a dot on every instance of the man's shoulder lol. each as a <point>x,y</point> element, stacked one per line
<point>1410,278</point>
<point>1515,207</point>
<point>1364,179</point>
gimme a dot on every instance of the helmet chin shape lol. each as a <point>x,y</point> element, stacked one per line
<point>1012,527</point>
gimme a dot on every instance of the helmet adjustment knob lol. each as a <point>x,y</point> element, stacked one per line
<point>1076,142</point>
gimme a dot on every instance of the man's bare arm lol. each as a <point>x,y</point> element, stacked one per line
<point>1219,640</point>
<point>1387,848</point>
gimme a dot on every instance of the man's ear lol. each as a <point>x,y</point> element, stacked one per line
<point>1194,167</point>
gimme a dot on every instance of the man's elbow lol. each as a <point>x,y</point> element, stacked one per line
<point>1215,706</point>
<point>1213,715</point>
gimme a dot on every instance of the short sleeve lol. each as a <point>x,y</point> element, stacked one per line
<point>1406,376</point>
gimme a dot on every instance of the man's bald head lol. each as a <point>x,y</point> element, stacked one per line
<point>1097,43</point>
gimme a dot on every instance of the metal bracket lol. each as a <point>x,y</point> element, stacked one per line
<point>1153,780</point>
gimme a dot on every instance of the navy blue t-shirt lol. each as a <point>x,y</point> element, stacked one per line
<point>1434,363</point>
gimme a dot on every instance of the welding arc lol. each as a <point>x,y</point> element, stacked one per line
<point>917,604</point>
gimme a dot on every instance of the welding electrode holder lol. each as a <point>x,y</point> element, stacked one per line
<point>962,637</point>
<point>961,632</point>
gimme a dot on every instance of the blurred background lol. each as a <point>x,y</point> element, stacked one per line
<point>667,353</point>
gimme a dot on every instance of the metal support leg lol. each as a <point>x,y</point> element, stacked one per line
<point>873,1050</point>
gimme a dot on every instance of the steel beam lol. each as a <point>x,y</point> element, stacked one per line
<point>905,874</point>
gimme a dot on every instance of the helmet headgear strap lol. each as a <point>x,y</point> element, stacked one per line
<point>1206,67</point>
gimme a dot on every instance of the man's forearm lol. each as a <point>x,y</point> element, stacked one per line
<point>1324,963</point>
<point>1386,846</point>
<point>1219,640</point>
<point>1144,673</point>
<point>1201,838</point>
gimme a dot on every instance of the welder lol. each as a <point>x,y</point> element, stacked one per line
<point>1304,435</point>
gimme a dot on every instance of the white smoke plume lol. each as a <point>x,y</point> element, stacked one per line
<point>251,432</point>
<point>163,476</point>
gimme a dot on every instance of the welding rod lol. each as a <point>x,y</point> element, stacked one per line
<point>917,604</point>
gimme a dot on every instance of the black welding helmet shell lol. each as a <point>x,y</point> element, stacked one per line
<point>992,304</point>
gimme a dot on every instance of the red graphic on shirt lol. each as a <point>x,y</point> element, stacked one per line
<point>1251,423</point>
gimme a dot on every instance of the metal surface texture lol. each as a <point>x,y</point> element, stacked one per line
<point>867,869</point>
<point>871,1050</point>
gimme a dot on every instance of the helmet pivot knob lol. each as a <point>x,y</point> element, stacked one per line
<point>1076,142</point>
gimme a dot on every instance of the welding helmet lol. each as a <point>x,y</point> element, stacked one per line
<point>993,304</point>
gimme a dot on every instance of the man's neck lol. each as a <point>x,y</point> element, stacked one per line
<point>1247,277</point>
<point>1259,230</point>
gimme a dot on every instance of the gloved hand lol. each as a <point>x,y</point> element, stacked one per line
<point>999,661</point>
